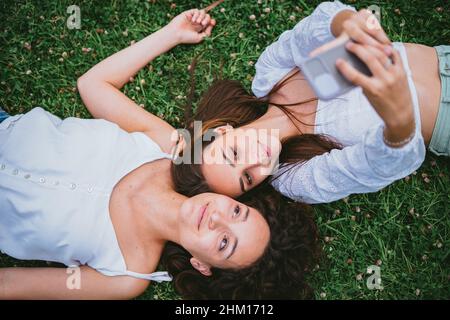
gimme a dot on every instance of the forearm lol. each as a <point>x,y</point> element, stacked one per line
<point>2,284</point>
<point>367,166</point>
<point>58,283</point>
<point>338,20</point>
<point>100,86</point>
<point>12,288</point>
<point>118,68</point>
<point>294,46</point>
<point>30,283</point>
<point>400,132</point>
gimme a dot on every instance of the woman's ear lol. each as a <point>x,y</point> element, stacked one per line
<point>201,267</point>
<point>223,129</point>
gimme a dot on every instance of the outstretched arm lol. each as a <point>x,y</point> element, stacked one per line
<point>57,283</point>
<point>322,26</point>
<point>388,151</point>
<point>100,86</point>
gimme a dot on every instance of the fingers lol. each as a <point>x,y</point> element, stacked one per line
<point>375,30</point>
<point>198,16</point>
<point>397,61</point>
<point>209,23</point>
<point>359,34</point>
<point>201,16</point>
<point>365,28</point>
<point>382,56</point>
<point>195,15</point>
<point>206,20</point>
<point>380,35</point>
<point>374,60</point>
<point>190,14</point>
<point>352,75</point>
<point>207,31</point>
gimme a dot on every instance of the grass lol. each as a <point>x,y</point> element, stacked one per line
<point>412,245</point>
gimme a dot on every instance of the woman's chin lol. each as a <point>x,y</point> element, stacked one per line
<point>186,210</point>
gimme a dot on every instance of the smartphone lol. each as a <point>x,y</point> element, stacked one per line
<point>323,76</point>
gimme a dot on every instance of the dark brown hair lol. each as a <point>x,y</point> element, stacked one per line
<point>278,274</point>
<point>227,102</point>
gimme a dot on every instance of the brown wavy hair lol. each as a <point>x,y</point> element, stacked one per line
<point>279,274</point>
<point>228,102</point>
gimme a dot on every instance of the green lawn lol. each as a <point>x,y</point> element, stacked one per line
<point>405,227</point>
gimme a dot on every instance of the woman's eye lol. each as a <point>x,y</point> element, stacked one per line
<point>236,211</point>
<point>249,178</point>
<point>223,243</point>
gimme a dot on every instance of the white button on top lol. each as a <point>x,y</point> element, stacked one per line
<point>42,180</point>
<point>73,186</point>
<point>15,172</point>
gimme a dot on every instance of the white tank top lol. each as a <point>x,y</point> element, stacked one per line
<point>56,179</point>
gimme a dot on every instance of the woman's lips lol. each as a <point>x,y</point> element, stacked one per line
<point>266,149</point>
<point>201,214</point>
<point>269,152</point>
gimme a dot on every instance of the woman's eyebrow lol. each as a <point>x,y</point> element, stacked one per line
<point>236,242</point>
<point>228,161</point>
<point>241,183</point>
<point>246,214</point>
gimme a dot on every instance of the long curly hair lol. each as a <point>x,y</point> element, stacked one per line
<point>278,274</point>
<point>228,102</point>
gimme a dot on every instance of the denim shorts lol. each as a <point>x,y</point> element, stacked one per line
<point>440,140</point>
<point>3,115</point>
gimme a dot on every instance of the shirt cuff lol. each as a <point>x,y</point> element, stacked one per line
<point>388,161</point>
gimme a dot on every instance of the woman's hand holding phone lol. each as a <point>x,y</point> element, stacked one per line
<point>387,89</point>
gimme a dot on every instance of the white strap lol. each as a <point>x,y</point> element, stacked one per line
<point>158,276</point>
<point>168,156</point>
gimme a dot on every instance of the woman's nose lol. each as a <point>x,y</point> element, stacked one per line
<point>256,160</point>
<point>260,156</point>
<point>264,160</point>
<point>257,166</point>
<point>215,219</point>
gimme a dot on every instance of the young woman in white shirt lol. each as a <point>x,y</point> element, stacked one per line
<point>356,143</point>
